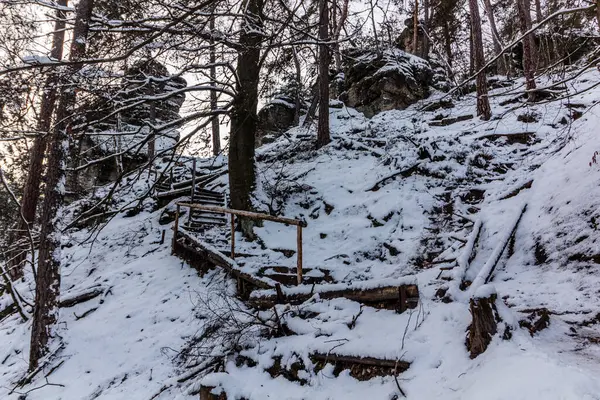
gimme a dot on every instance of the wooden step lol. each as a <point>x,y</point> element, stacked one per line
<point>206,221</point>
<point>208,201</point>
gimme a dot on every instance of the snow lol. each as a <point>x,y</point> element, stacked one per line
<point>153,304</point>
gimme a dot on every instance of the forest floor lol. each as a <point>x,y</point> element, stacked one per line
<point>393,196</point>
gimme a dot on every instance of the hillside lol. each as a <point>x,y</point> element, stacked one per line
<point>393,198</point>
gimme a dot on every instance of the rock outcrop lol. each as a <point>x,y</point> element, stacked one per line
<point>381,81</point>
<point>275,118</point>
<point>145,78</point>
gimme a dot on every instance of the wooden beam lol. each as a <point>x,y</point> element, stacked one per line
<point>299,255</point>
<point>246,214</point>
<point>217,259</point>
<point>232,237</point>
<point>175,230</point>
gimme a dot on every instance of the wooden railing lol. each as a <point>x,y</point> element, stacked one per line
<point>247,214</point>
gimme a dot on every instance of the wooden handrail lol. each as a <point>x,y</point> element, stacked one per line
<point>248,214</point>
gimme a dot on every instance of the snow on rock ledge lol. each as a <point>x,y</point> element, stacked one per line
<point>384,81</point>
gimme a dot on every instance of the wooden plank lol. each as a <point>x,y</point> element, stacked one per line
<point>232,237</point>
<point>175,230</point>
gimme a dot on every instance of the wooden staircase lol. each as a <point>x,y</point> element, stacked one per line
<point>200,220</point>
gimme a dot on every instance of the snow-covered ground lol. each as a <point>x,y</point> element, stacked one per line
<point>361,228</point>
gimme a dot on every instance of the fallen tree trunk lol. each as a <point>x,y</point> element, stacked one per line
<point>361,368</point>
<point>516,137</point>
<point>517,190</point>
<point>70,301</point>
<point>467,255</point>
<point>485,274</point>
<point>399,297</point>
<point>404,173</point>
<point>450,121</point>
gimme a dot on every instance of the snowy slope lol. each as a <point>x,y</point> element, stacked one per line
<point>360,227</point>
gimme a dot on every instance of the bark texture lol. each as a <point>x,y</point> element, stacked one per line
<point>47,288</point>
<point>324,58</point>
<point>484,325</point>
<point>244,119</point>
<point>529,50</point>
<point>31,191</point>
<point>502,64</point>
<point>483,103</point>
<point>416,29</point>
<point>216,134</point>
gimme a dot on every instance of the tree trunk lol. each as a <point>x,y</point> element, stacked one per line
<point>484,325</point>
<point>31,191</point>
<point>529,65</point>
<point>152,140</point>
<point>425,53</point>
<point>538,11</point>
<point>416,29</point>
<point>47,288</point>
<point>298,94</point>
<point>471,48</point>
<point>502,67</point>
<point>598,12</point>
<point>448,43</point>
<point>338,31</point>
<point>243,117</point>
<point>323,126</point>
<point>216,134</point>
<point>483,103</point>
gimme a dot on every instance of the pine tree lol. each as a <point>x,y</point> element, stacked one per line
<point>47,288</point>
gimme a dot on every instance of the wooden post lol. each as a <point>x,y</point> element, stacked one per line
<point>193,180</point>
<point>299,244</point>
<point>232,237</point>
<point>175,229</point>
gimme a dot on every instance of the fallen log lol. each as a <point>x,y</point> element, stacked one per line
<point>516,137</point>
<point>400,295</point>
<point>450,121</point>
<point>485,274</point>
<point>517,190</point>
<point>361,368</point>
<point>405,173</point>
<point>467,255</point>
<point>73,300</point>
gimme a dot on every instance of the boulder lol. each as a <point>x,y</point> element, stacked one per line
<point>275,118</point>
<point>381,81</point>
